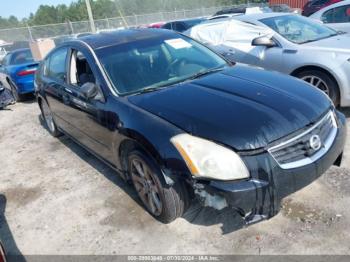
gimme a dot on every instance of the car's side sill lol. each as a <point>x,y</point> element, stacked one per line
<point>119,171</point>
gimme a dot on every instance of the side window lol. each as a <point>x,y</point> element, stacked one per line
<point>45,66</point>
<point>80,70</point>
<point>327,17</point>
<point>180,27</point>
<point>341,14</point>
<point>337,15</point>
<point>57,65</point>
<point>167,26</point>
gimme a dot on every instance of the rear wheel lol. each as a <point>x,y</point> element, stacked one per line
<point>165,203</point>
<point>322,81</point>
<point>48,118</point>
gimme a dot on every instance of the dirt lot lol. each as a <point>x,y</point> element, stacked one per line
<point>56,198</point>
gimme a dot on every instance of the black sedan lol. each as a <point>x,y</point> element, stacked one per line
<point>178,121</point>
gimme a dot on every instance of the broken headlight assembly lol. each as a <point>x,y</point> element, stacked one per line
<point>206,159</point>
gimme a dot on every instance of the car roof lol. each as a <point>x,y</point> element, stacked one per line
<point>186,20</point>
<point>117,37</point>
<point>259,16</point>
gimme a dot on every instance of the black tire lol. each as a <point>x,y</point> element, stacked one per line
<point>332,85</point>
<point>50,123</point>
<point>16,96</point>
<point>174,199</point>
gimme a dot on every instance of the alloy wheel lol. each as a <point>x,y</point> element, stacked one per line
<point>317,82</point>
<point>146,186</point>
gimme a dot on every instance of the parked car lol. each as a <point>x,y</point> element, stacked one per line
<point>216,17</point>
<point>336,16</point>
<point>228,13</point>
<point>287,43</point>
<point>182,25</point>
<point>315,5</point>
<point>233,10</point>
<point>179,121</point>
<point>17,72</point>
<point>282,8</point>
<point>156,25</point>
<point>244,10</point>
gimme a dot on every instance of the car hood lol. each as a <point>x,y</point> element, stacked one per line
<point>339,43</point>
<point>242,107</point>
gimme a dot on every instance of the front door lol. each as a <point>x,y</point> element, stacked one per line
<point>89,118</point>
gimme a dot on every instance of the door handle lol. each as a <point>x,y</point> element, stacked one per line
<point>68,90</point>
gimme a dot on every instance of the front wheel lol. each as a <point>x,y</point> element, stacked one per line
<point>322,81</point>
<point>48,118</point>
<point>165,203</point>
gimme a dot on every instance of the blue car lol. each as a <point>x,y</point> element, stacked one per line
<point>17,72</point>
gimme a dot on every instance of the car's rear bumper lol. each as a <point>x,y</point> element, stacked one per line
<point>260,197</point>
<point>25,85</point>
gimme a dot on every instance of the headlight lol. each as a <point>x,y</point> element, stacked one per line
<point>209,160</point>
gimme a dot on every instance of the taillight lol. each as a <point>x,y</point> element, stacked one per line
<point>26,72</point>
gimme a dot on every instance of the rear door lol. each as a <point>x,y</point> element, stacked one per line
<point>54,77</point>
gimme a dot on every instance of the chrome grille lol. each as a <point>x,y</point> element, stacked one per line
<point>308,146</point>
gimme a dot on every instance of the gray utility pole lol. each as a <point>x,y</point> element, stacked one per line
<point>91,18</point>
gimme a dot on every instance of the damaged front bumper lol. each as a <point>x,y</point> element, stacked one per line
<point>260,197</point>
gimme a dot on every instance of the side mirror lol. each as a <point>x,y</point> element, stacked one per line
<point>264,41</point>
<point>89,90</point>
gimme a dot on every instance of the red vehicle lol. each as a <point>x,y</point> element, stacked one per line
<point>315,5</point>
<point>156,25</point>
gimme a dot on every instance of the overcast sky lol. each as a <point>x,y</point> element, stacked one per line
<point>22,8</point>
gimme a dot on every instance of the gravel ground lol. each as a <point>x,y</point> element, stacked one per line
<point>56,198</point>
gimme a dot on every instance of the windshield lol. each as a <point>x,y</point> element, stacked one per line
<point>156,62</point>
<point>298,29</point>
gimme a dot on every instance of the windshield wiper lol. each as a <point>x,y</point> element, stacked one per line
<point>149,89</point>
<point>206,72</point>
<point>195,76</point>
<point>155,88</point>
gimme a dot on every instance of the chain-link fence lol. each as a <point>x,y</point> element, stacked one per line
<point>72,28</point>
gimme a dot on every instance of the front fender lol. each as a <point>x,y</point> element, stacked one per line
<point>152,134</point>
